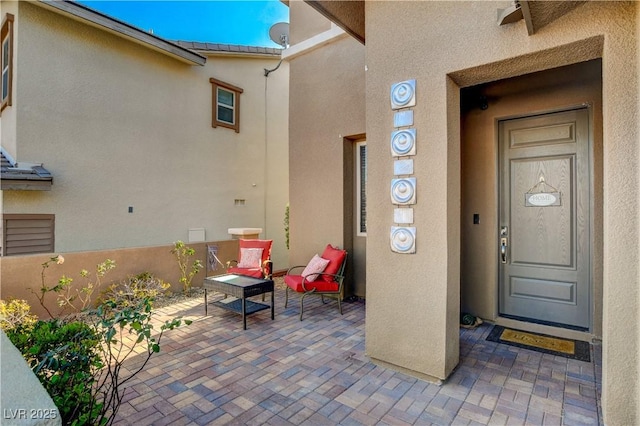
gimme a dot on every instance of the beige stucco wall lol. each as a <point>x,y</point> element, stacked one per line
<point>419,332</point>
<point>27,395</point>
<point>120,125</point>
<point>325,107</point>
<point>8,115</point>
<point>637,390</point>
<point>21,276</point>
<point>314,23</point>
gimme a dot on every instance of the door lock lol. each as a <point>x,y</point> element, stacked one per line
<point>503,249</point>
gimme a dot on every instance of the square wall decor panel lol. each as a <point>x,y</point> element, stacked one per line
<point>403,191</point>
<point>403,94</point>
<point>403,142</point>
<point>403,216</point>
<point>403,239</point>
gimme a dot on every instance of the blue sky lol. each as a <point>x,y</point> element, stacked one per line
<point>243,22</point>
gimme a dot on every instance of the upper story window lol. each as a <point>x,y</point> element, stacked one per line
<point>7,60</point>
<point>226,105</point>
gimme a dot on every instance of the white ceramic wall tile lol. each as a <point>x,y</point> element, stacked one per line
<point>403,94</point>
<point>403,239</point>
<point>403,216</point>
<point>403,167</point>
<point>403,191</point>
<point>403,118</point>
<point>403,142</point>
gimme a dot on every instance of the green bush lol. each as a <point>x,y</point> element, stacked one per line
<point>79,359</point>
<point>183,253</point>
<point>64,357</point>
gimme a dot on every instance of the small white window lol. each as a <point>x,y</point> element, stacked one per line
<point>226,105</point>
<point>6,34</point>
<point>226,108</point>
<point>361,188</point>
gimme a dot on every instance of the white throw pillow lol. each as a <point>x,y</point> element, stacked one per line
<point>315,266</point>
<point>250,257</point>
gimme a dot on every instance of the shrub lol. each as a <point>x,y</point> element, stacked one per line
<point>183,253</point>
<point>127,293</point>
<point>66,297</point>
<point>16,312</point>
<point>64,357</point>
<point>79,361</point>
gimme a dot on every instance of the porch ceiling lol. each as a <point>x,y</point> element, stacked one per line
<point>349,14</point>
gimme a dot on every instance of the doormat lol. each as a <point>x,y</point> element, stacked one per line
<point>568,348</point>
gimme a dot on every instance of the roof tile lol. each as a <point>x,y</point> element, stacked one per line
<point>233,48</point>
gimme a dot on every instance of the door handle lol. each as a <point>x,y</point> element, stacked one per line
<point>503,250</point>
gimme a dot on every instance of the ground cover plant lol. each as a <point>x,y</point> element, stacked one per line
<point>79,358</point>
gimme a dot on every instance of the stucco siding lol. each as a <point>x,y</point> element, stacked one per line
<point>8,115</point>
<point>121,126</point>
<point>22,276</point>
<point>314,23</point>
<point>473,49</point>
<point>324,110</point>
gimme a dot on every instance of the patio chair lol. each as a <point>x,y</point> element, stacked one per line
<point>323,276</point>
<point>254,259</point>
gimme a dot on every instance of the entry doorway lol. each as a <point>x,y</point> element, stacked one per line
<point>486,289</point>
<point>544,235</point>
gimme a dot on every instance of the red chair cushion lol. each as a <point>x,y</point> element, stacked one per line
<point>257,273</point>
<point>265,245</point>
<point>335,257</point>
<point>294,282</point>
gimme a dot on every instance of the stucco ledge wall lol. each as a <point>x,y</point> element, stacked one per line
<point>27,403</point>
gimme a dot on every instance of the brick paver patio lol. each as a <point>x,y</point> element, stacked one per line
<point>315,372</point>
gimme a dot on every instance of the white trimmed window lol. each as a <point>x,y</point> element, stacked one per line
<point>361,188</point>
<point>6,53</point>
<point>226,105</point>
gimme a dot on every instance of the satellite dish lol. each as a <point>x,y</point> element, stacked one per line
<point>510,14</point>
<point>279,34</point>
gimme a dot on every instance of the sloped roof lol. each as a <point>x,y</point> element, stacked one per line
<point>122,29</point>
<point>24,176</point>
<point>229,48</point>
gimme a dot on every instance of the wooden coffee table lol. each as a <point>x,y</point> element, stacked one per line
<point>239,287</point>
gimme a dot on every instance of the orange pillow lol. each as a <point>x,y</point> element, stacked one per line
<point>335,256</point>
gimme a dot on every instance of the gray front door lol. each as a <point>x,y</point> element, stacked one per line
<point>544,237</point>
